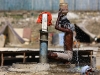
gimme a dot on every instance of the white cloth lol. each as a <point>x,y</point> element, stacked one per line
<point>85,69</point>
<point>67,55</point>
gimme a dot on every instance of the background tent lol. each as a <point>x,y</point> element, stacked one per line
<point>11,36</point>
<point>83,35</point>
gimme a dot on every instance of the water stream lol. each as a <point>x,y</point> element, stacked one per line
<point>77,57</point>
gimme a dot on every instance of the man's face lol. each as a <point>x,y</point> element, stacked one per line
<point>65,10</point>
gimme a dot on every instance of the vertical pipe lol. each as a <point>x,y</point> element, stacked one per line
<point>43,46</point>
<point>43,40</point>
<point>43,52</point>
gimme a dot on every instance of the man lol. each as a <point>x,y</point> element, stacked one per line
<point>64,25</point>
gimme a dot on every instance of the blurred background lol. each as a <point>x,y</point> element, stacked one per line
<point>84,14</point>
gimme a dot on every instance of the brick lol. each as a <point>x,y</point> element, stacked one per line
<point>27,33</point>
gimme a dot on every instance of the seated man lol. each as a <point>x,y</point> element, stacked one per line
<point>63,24</point>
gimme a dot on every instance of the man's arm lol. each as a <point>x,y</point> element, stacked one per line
<point>60,28</point>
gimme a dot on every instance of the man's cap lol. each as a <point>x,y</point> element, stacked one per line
<point>63,3</point>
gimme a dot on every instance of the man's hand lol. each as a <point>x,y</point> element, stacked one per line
<point>60,13</point>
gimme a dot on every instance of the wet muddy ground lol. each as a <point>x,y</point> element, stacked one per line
<point>41,69</point>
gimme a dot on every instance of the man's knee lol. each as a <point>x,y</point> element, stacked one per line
<point>52,55</point>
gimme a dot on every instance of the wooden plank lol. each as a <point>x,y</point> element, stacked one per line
<point>95,49</point>
<point>2,59</point>
<point>24,57</point>
<point>91,53</point>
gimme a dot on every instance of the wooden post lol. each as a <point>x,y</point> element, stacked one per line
<point>2,59</point>
<point>24,57</point>
<point>91,53</point>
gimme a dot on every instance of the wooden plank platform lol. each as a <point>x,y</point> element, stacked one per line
<point>95,49</point>
<point>13,52</point>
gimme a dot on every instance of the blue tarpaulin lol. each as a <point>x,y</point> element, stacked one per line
<point>52,5</point>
